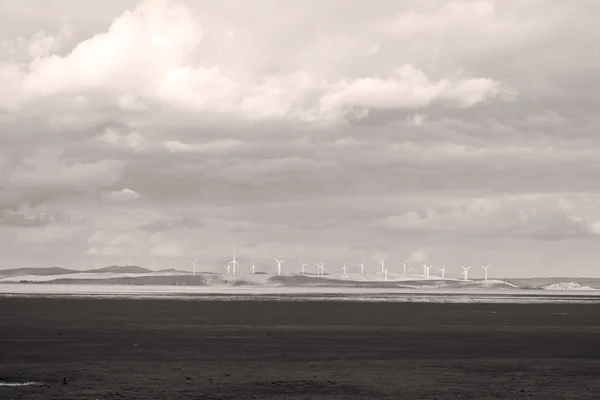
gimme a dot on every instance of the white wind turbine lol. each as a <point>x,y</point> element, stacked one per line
<point>362,268</point>
<point>194,264</point>
<point>253,268</point>
<point>427,268</point>
<point>233,264</point>
<point>320,270</point>
<point>466,272</point>
<point>443,271</point>
<point>485,267</point>
<point>344,268</point>
<point>153,268</point>
<point>424,268</point>
<point>404,265</point>
<point>279,265</point>
<point>382,262</point>
<point>385,272</point>
<point>303,265</point>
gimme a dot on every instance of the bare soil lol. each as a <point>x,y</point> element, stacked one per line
<point>175,349</point>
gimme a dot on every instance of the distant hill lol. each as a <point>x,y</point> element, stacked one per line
<point>5,273</point>
<point>121,269</point>
<point>47,271</point>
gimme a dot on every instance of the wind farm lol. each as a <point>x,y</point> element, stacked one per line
<point>379,275</point>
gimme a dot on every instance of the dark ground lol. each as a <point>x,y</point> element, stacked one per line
<point>172,349</point>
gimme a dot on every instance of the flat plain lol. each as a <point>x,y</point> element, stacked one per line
<point>192,349</point>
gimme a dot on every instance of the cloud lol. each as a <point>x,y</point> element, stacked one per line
<point>373,49</point>
<point>175,223</point>
<point>123,195</point>
<point>45,169</point>
<point>151,55</point>
<point>410,88</point>
<point>534,216</point>
<point>25,219</point>
<point>132,140</point>
<point>418,256</point>
<point>417,119</point>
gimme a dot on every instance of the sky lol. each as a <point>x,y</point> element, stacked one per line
<point>463,132</point>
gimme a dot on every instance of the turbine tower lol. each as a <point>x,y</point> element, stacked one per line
<point>362,268</point>
<point>319,269</point>
<point>443,271</point>
<point>385,272</point>
<point>404,265</point>
<point>427,268</point>
<point>233,264</point>
<point>279,265</point>
<point>344,268</point>
<point>194,264</point>
<point>424,268</point>
<point>485,267</point>
<point>466,272</point>
<point>303,265</point>
<point>153,268</point>
<point>253,268</point>
<point>382,262</point>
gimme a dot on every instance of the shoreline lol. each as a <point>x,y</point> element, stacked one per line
<point>286,293</point>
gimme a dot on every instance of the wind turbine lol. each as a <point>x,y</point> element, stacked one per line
<point>382,262</point>
<point>485,267</point>
<point>253,268</point>
<point>424,268</point>
<point>194,264</point>
<point>385,274</point>
<point>427,268</point>
<point>303,265</point>
<point>279,266</point>
<point>404,264</point>
<point>443,271</point>
<point>466,272</point>
<point>233,264</point>
<point>320,270</point>
<point>153,268</point>
<point>362,268</point>
<point>344,268</point>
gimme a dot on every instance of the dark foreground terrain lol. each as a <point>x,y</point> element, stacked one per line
<point>173,349</point>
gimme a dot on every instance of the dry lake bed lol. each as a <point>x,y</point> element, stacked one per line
<point>109,348</point>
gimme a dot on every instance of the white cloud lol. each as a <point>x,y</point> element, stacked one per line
<point>214,147</point>
<point>123,195</point>
<point>417,119</point>
<point>534,216</point>
<point>151,54</point>
<point>373,49</point>
<point>132,140</point>
<point>417,256</point>
<point>409,88</point>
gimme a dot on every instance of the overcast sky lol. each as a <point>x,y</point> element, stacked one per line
<point>464,132</point>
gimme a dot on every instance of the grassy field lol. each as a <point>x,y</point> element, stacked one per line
<point>172,349</point>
